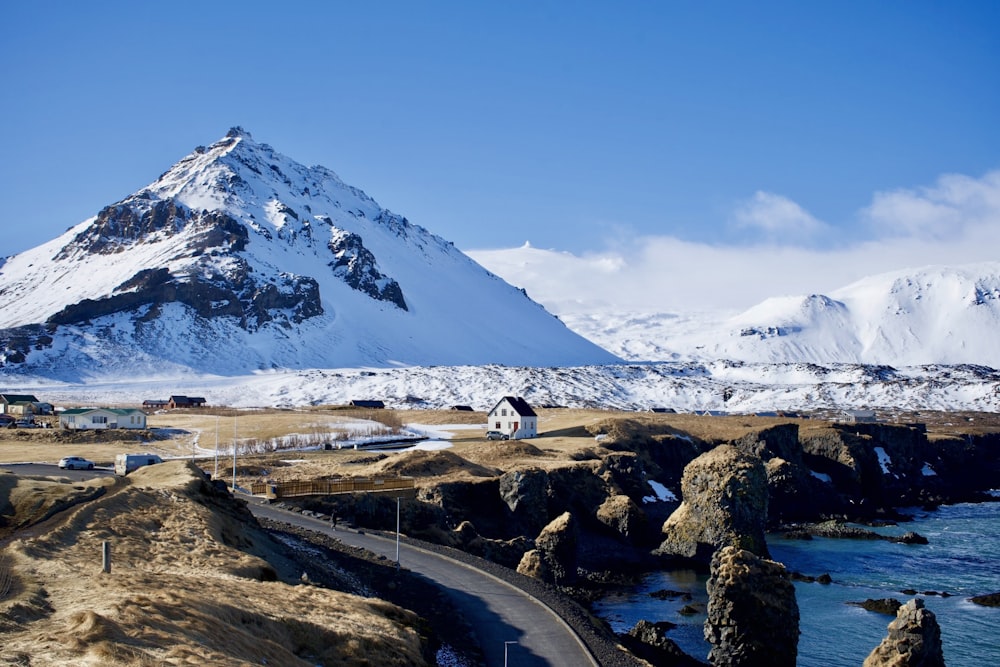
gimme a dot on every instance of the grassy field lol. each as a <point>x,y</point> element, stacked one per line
<point>564,434</point>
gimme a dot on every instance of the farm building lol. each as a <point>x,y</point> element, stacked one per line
<point>81,419</point>
<point>185,402</point>
<point>513,417</point>
<point>18,404</point>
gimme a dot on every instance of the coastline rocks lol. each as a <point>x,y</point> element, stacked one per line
<point>623,516</point>
<point>753,618</point>
<point>988,600</point>
<point>795,494</point>
<point>914,639</point>
<point>525,493</point>
<point>887,606</point>
<point>724,503</point>
<point>553,559</point>
<point>834,529</point>
<point>648,641</point>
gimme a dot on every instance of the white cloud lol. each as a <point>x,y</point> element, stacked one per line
<point>955,222</point>
<point>955,205</point>
<point>778,218</point>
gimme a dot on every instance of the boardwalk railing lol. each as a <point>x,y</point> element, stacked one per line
<point>326,487</point>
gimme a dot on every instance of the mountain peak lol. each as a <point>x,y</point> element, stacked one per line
<point>239,258</point>
<point>238,132</point>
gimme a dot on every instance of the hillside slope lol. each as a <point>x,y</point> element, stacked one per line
<point>192,581</point>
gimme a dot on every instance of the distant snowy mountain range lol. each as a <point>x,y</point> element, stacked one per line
<point>933,315</point>
<point>246,277</point>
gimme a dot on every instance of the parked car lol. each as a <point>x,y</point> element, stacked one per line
<point>497,435</point>
<point>25,423</point>
<point>76,463</point>
<point>126,463</point>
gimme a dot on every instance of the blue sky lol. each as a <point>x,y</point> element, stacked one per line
<point>592,128</point>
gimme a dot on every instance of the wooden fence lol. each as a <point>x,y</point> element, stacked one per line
<point>326,487</point>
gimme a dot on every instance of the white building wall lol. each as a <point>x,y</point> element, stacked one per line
<point>505,418</point>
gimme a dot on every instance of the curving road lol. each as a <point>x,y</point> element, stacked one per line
<point>513,628</point>
<point>498,612</point>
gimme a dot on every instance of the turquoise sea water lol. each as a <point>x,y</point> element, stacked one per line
<point>962,558</point>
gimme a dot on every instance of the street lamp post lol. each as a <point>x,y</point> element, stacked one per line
<point>505,645</point>
<point>397,532</point>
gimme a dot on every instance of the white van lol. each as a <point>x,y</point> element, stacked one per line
<point>126,463</point>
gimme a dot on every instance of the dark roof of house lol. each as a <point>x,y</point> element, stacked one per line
<point>367,404</point>
<point>520,406</point>
<point>18,398</point>
<point>186,400</point>
<point>463,408</point>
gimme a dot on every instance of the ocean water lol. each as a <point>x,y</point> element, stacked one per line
<point>962,559</point>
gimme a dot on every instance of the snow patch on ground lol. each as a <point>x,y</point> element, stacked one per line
<point>662,493</point>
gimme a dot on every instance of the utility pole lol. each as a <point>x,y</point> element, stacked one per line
<point>397,532</point>
<point>235,439</point>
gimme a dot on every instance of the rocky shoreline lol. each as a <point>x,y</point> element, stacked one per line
<point>576,528</point>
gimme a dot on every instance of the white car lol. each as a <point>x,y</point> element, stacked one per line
<point>76,463</point>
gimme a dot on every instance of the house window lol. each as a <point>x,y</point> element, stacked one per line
<point>497,427</point>
<point>99,419</point>
<point>503,412</point>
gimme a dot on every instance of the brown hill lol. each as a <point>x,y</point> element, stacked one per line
<point>193,581</point>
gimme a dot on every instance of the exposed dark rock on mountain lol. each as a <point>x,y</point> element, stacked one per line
<point>914,640</point>
<point>356,265</point>
<point>725,503</point>
<point>753,618</point>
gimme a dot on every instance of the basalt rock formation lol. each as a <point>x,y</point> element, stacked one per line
<point>554,557</point>
<point>914,640</point>
<point>753,618</point>
<point>725,503</point>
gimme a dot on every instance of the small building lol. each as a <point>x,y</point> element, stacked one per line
<point>859,417</point>
<point>462,408</point>
<point>185,402</point>
<point>513,417</point>
<point>375,405</point>
<point>83,419</point>
<point>18,404</point>
<point>669,411</point>
<point>154,404</point>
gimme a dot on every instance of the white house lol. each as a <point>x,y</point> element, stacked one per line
<point>513,416</point>
<point>79,419</point>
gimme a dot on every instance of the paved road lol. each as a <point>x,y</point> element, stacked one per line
<point>497,611</point>
<point>49,469</point>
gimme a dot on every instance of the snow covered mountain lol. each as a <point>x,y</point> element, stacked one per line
<point>932,315</point>
<point>239,259</point>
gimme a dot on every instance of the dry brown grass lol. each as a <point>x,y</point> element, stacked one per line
<point>192,582</point>
<point>565,435</point>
